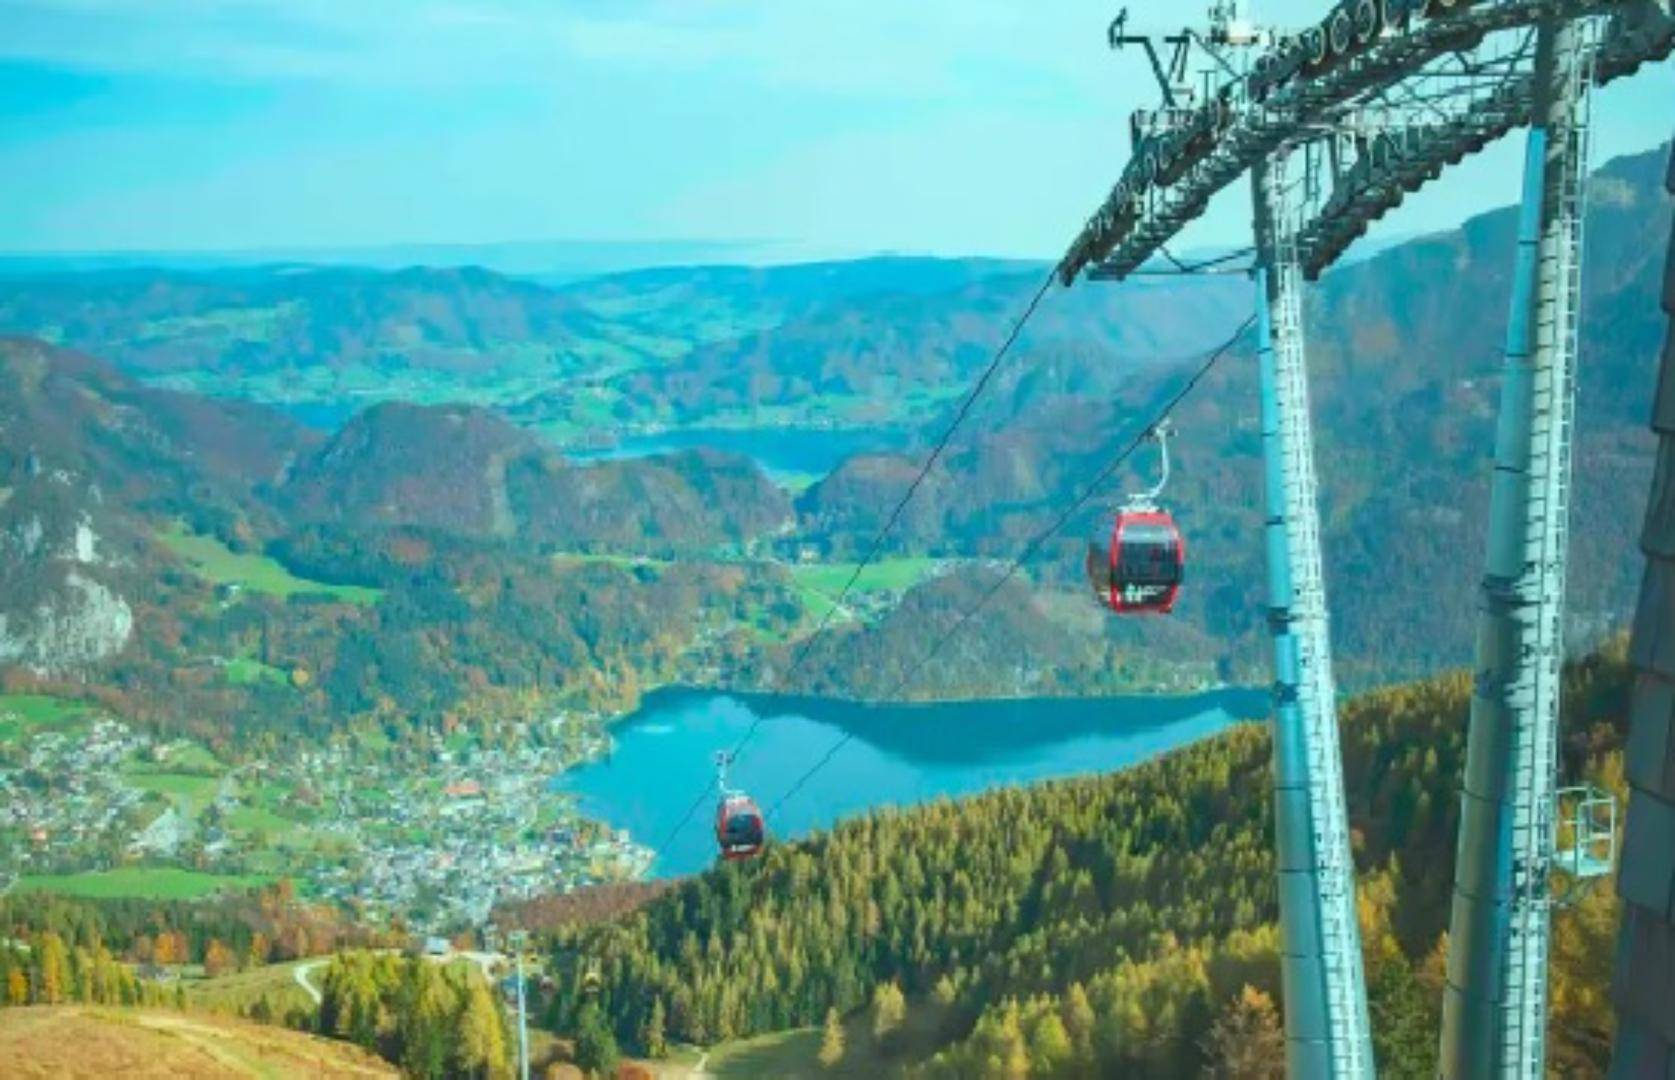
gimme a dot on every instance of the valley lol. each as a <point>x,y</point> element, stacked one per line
<point>434,574</point>
<point>347,608</point>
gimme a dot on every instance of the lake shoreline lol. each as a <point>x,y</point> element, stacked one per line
<point>667,690</point>
<point>812,761</point>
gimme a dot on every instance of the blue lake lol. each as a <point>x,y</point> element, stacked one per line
<point>895,754</point>
<point>780,451</point>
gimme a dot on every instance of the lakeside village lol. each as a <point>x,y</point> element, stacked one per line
<point>91,805</point>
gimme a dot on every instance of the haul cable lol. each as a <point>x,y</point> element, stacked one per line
<point>878,539</point>
<point>1029,552</point>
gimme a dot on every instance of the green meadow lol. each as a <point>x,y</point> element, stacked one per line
<point>145,882</point>
<point>214,561</point>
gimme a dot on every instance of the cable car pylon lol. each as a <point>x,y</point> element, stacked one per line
<point>1495,999</point>
<point>1327,1029</point>
<point>1374,99</point>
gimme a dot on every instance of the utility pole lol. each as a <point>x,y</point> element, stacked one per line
<point>1495,1001</point>
<point>517,939</point>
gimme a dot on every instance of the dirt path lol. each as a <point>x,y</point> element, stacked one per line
<point>300,973</point>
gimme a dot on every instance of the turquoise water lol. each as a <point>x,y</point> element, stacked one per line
<point>780,451</point>
<point>896,754</point>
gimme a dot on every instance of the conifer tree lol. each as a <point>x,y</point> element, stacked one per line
<point>1049,1045</point>
<point>596,1049</point>
<point>482,1040</point>
<point>831,1040</point>
<point>652,1036</point>
<point>889,1010</point>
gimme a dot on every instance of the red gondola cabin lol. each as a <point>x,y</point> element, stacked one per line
<point>1142,569</point>
<point>739,827</point>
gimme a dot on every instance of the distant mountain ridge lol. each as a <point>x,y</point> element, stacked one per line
<point>870,342</point>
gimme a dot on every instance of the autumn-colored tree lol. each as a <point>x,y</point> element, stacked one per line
<point>1079,1019</point>
<point>482,1039</point>
<point>218,959</point>
<point>51,969</point>
<point>427,1011</point>
<point>1246,1041</point>
<point>170,947</point>
<point>259,947</point>
<point>1049,1045</point>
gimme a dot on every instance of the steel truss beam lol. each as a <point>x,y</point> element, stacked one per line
<point>1408,146</point>
<point>1175,172</point>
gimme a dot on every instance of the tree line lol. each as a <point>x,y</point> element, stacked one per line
<point>225,933</point>
<point>433,1020</point>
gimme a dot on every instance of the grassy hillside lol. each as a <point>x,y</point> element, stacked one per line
<point>276,985</point>
<point>78,1041</point>
<point>217,563</point>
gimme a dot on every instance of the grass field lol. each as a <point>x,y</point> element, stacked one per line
<point>565,560</point>
<point>794,1054</point>
<point>819,584</point>
<point>242,671</point>
<point>192,757</point>
<point>279,830</point>
<point>214,561</point>
<point>237,992</point>
<point>189,791</point>
<point>144,882</point>
<point>20,712</point>
<point>784,1053</point>
<point>59,1041</point>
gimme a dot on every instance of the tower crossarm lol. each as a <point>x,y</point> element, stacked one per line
<point>1289,93</point>
<point>1395,150</point>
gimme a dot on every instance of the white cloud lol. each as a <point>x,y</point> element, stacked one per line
<point>842,47</point>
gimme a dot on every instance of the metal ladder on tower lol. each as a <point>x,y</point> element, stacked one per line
<point>1542,588</point>
<point>1317,696</point>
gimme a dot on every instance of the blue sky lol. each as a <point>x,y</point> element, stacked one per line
<point>830,126</point>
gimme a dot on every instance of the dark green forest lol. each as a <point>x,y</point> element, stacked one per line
<point>1119,925</point>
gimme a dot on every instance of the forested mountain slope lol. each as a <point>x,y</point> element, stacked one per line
<point>1405,380</point>
<point>154,542</point>
<point>1103,926</point>
<point>467,471</point>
